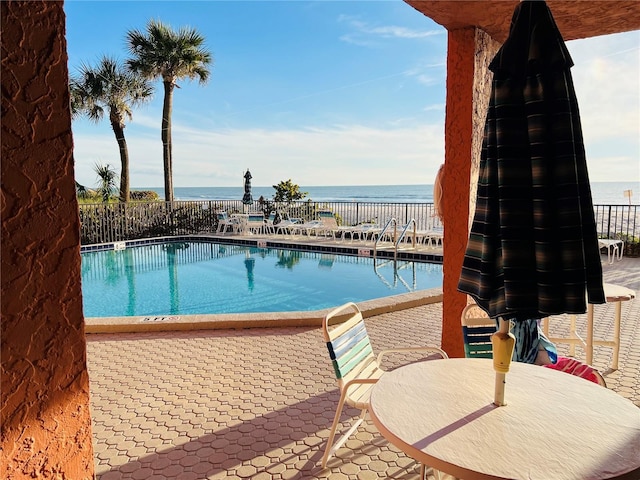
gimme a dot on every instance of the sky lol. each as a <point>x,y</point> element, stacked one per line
<point>323,93</point>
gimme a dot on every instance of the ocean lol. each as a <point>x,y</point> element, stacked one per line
<point>603,193</point>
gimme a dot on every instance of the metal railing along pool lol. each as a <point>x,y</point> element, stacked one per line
<point>103,223</point>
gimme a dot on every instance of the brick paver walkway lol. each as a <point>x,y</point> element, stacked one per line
<point>258,403</point>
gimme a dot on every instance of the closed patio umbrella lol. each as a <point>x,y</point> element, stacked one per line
<point>533,250</point>
<point>247,199</point>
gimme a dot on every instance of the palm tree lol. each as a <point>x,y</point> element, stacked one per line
<point>107,181</point>
<point>164,53</point>
<point>112,87</point>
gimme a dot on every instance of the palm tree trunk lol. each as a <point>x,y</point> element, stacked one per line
<point>166,141</point>
<point>124,160</point>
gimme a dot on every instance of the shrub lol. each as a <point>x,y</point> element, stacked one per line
<point>143,195</point>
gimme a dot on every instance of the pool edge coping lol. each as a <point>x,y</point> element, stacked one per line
<point>378,306</point>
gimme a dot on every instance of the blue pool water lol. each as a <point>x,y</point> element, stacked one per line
<point>189,278</point>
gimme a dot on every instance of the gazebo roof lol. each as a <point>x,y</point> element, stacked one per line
<point>575,18</point>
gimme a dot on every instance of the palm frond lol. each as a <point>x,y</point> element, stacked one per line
<point>164,53</point>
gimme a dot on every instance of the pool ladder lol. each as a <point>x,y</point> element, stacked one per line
<point>395,238</point>
<point>396,275</point>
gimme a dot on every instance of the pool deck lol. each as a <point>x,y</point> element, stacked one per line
<point>258,403</point>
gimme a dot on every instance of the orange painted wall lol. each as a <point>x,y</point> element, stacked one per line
<point>45,418</point>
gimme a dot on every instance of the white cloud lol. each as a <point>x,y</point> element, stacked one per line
<point>607,81</point>
<point>339,155</point>
<point>606,77</point>
<point>393,31</point>
<point>364,33</point>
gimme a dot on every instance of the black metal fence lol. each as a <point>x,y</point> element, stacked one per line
<point>106,223</point>
<point>618,221</point>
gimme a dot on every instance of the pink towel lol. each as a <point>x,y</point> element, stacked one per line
<point>574,367</point>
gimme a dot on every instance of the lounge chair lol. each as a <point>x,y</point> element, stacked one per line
<point>330,225</point>
<point>224,222</point>
<point>432,236</point>
<point>306,228</point>
<point>325,224</point>
<point>362,232</point>
<point>355,366</point>
<point>615,248</point>
<point>269,226</point>
<point>255,223</point>
<point>284,226</point>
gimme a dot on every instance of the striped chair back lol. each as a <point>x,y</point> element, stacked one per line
<point>477,329</point>
<point>348,344</point>
<point>222,216</point>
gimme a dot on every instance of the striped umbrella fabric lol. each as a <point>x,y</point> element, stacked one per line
<point>533,248</point>
<point>247,199</point>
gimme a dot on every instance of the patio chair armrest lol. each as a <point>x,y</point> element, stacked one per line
<point>437,350</point>
<point>354,381</point>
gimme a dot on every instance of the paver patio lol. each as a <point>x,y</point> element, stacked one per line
<point>258,403</point>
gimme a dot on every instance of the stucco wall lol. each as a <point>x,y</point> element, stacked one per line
<point>458,144</point>
<point>486,48</point>
<point>469,52</point>
<point>46,423</point>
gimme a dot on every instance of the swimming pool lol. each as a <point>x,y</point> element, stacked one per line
<point>189,278</point>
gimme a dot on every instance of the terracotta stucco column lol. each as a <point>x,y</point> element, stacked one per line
<point>45,418</point>
<point>468,86</point>
<point>458,141</point>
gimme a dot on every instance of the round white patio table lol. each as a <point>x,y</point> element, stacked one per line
<point>554,426</point>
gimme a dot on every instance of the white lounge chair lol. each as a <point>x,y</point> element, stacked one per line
<point>362,232</point>
<point>330,225</point>
<point>432,238</point>
<point>615,248</point>
<point>306,228</point>
<point>284,226</point>
<point>269,226</point>
<point>224,222</point>
<point>255,223</point>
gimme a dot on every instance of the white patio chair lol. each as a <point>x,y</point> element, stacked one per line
<point>355,366</point>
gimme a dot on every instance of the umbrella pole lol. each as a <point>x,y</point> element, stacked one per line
<point>503,343</point>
